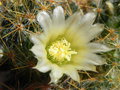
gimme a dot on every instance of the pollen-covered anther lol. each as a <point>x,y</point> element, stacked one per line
<point>61,51</point>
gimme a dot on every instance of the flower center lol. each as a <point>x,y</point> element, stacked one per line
<point>60,51</point>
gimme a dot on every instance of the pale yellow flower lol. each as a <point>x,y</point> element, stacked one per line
<point>64,46</point>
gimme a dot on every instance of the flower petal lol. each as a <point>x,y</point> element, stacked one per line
<point>97,47</point>
<point>95,59</point>
<point>86,67</point>
<point>87,19</point>
<point>42,67</point>
<point>94,31</point>
<point>86,26</point>
<point>80,27</point>
<point>35,39</point>
<point>44,20</point>
<point>58,16</point>
<point>84,22</point>
<point>87,33</point>
<point>73,20</point>
<point>72,72</point>
<point>56,74</point>
<point>39,50</point>
<point>79,41</point>
<point>58,27</point>
<point>81,62</point>
<point>72,28</point>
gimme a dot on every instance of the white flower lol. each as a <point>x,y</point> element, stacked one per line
<point>64,47</point>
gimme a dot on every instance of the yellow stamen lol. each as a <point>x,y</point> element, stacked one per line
<point>61,51</point>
